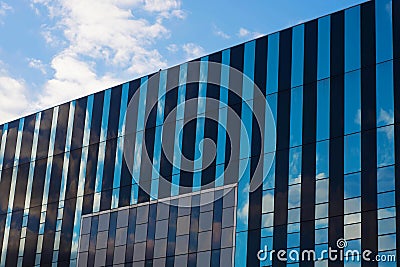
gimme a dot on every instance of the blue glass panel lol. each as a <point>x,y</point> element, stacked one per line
<point>384,31</point>
<point>272,63</point>
<point>352,153</point>
<point>296,116</point>
<point>352,39</point>
<point>324,49</point>
<point>270,143</point>
<point>352,102</point>
<point>387,226</point>
<point>386,200</point>
<point>323,113</point>
<point>385,146</point>
<point>386,179</point>
<point>322,158</point>
<point>298,55</point>
<point>352,185</point>
<point>384,94</point>
<point>295,165</point>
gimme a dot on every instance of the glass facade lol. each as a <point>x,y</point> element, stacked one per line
<point>289,143</point>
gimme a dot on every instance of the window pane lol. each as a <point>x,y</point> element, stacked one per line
<point>322,165</point>
<point>272,63</point>
<point>384,40</point>
<point>384,94</point>
<point>324,34</point>
<point>352,185</point>
<point>352,39</point>
<point>385,146</point>
<point>352,102</point>
<point>296,115</point>
<point>297,55</point>
<point>352,153</point>
<point>323,113</point>
<point>386,179</point>
<point>295,165</point>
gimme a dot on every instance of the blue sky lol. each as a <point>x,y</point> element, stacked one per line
<point>53,51</point>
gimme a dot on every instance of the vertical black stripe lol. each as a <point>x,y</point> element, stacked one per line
<point>148,138</point>
<point>232,148</point>
<point>336,144</point>
<point>115,107</point>
<point>55,183</point>
<point>131,236</point>
<point>396,77</point>
<point>189,130</point>
<point>11,142</point>
<point>38,187</point>
<point>111,238</point>
<point>151,231</point>
<point>93,241</point>
<point>167,150</point>
<point>396,28</point>
<point>212,109</point>
<point>34,213</point>
<point>307,234</point>
<point>13,241</point>
<point>282,144</point>
<point>171,240</point>
<point>72,182</point>
<point>97,115</point>
<point>369,225</point>
<point>79,123</point>
<point>52,208</point>
<point>44,134</point>
<point>255,198</point>
<point>69,205</point>
<point>62,126</point>
<point>130,136</point>
<point>1,133</point>
<point>193,234</point>
<point>91,166</point>
<point>108,174</point>
<point>27,139</point>
<point>25,156</point>
<point>216,231</point>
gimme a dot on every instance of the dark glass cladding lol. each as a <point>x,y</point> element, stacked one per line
<point>289,210</point>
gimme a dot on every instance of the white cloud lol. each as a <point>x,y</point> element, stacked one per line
<point>100,38</point>
<point>218,32</point>
<point>173,48</point>
<point>14,100</point>
<point>357,119</point>
<point>4,9</point>
<point>386,117</point>
<point>37,64</point>
<point>243,32</point>
<point>193,50</point>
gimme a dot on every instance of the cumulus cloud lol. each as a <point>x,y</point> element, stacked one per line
<point>218,32</point>
<point>14,100</point>
<point>193,50</point>
<point>37,64</point>
<point>117,34</point>
<point>245,33</point>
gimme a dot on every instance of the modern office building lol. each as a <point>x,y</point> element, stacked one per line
<point>288,142</point>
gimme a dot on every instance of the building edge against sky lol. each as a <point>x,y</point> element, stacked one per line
<point>82,182</point>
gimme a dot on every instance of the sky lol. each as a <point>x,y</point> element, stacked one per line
<point>54,51</point>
